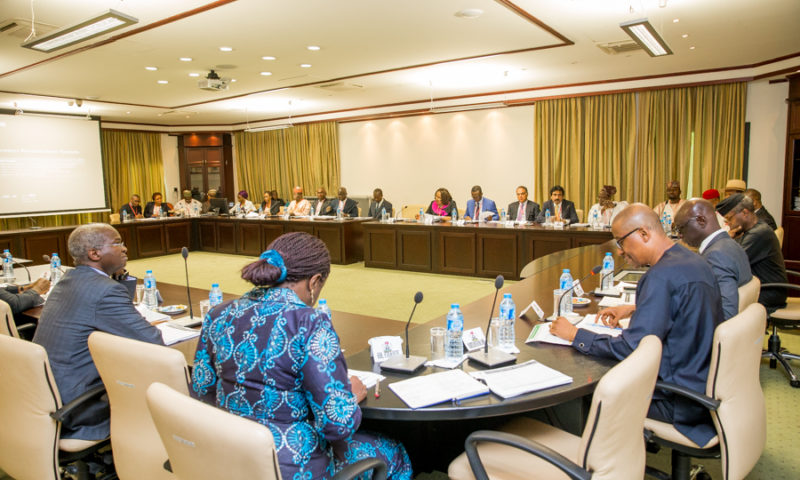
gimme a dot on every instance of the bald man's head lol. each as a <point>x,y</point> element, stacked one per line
<point>637,215</point>
<point>695,221</point>
<point>639,235</point>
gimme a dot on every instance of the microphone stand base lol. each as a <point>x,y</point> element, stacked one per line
<point>493,358</point>
<point>399,363</point>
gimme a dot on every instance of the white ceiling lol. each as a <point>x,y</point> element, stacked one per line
<point>373,53</point>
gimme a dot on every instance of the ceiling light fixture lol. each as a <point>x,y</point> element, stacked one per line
<point>313,48</point>
<point>305,65</point>
<point>193,74</point>
<point>266,74</point>
<point>97,25</point>
<point>152,69</point>
<point>185,59</point>
<point>643,33</point>
<point>282,126</point>
<point>461,108</point>
<point>163,82</point>
<point>225,49</point>
<point>469,13</point>
<point>268,57</point>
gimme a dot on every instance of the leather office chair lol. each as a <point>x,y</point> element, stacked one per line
<point>612,444</point>
<point>127,367</point>
<point>208,443</point>
<point>787,317</point>
<point>748,293</point>
<point>7,324</point>
<point>114,218</point>
<point>31,413</point>
<point>733,396</point>
<point>779,234</point>
<point>579,212</point>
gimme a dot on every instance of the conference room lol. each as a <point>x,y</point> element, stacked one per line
<point>258,98</point>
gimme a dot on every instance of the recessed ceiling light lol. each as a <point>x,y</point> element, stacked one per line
<point>305,65</point>
<point>163,82</point>
<point>691,48</point>
<point>127,113</point>
<point>152,69</point>
<point>313,48</point>
<point>233,80</point>
<point>469,13</point>
<point>676,20</point>
<point>185,59</point>
<point>268,57</point>
<point>685,35</point>
<point>194,74</point>
<point>266,74</point>
<point>225,49</point>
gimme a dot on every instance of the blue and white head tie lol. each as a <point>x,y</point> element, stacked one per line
<point>274,258</point>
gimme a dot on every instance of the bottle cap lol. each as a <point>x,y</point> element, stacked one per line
<point>506,295</point>
<point>148,272</point>
<point>608,254</point>
<point>322,301</point>
<point>566,270</point>
<point>55,254</point>
<point>453,305</point>
<point>215,285</point>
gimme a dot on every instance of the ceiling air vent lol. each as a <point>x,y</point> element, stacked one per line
<point>22,28</point>
<point>616,48</point>
<point>340,86</point>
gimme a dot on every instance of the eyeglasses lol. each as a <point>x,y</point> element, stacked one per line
<point>620,240</point>
<point>115,244</point>
<point>679,229</point>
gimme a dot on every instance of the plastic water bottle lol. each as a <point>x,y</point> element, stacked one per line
<point>454,214</point>
<point>383,215</point>
<point>508,312</point>
<point>324,308</point>
<point>668,225</point>
<point>607,273</point>
<point>502,214</point>
<point>664,220</point>
<point>595,220</point>
<point>421,215</point>
<point>8,264</point>
<point>124,216</point>
<point>547,216</point>
<point>453,344</point>
<point>150,293</point>
<point>215,295</point>
<point>55,268</point>
<point>566,283</point>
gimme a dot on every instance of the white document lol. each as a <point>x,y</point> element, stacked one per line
<point>445,363</point>
<point>624,299</point>
<point>172,334</point>
<point>369,379</point>
<point>526,377</point>
<point>426,390</point>
<point>541,332</point>
<point>151,316</point>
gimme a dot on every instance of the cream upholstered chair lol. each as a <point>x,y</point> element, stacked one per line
<point>127,367</point>
<point>9,327</point>
<point>409,211</point>
<point>779,234</point>
<point>208,443</point>
<point>734,397</point>
<point>30,415</point>
<point>748,293</point>
<point>787,317</point>
<point>579,212</point>
<point>113,218</point>
<point>612,444</point>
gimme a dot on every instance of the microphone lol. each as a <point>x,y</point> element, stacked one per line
<point>185,255</point>
<point>35,225</point>
<point>594,271</point>
<point>495,358</point>
<point>26,269</point>
<point>408,363</point>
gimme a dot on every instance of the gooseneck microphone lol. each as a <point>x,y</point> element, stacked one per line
<point>408,363</point>
<point>496,357</point>
<point>185,255</point>
<point>594,271</point>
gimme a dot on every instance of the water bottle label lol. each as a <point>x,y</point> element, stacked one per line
<point>149,283</point>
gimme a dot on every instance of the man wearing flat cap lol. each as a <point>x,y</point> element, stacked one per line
<point>734,186</point>
<point>761,245</point>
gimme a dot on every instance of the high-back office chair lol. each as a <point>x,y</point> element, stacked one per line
<point>409,211</point>
<point>9,327</point>
<point>113,217</point>
<point>208,443</point>
<point>579,212</point>
<point>31,413</point>
<point>779,234</point>
<point>733,396</point>
<point>612,444</point>
<point>787,317</point>
<point>127,367</point>
<point>748,293</point>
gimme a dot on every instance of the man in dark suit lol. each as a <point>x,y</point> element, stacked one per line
<point>479,206</point>
<point>88,299</point>
<point>347,206</point>
<point>527,212</point>
<point>761,212</point>
<point>379,203</point>
<point>559,208</point>
<point>134,207</point>
<point>21,298</point>
<point>696,223</point>
<point>322,206</point>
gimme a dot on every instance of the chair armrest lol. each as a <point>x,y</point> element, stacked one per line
<point>62,413</point>
<point>708,402</point>
<point>793,272</point>
<point>574,471</point>
<point>353,470</point>
<point>790,286</point>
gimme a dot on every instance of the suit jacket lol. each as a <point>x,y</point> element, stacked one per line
<point>350,207</point>
<point>567,211</point>
<point>137,210</point>
<point>531,211</point>
<point>323,207</point>
<point>375,212</point>
<point>766,217</point>
<point>19,302</point>
<point>85,301</point>
<point>487,205</point>
<point>148,209</point>
<point>731,266</point>
<point>274,208</point>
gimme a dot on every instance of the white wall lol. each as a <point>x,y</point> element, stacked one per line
<point>172,178</point>
<point>410,157</point>
<point>766,112</point>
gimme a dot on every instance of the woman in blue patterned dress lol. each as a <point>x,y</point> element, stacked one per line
<point>270,357</point>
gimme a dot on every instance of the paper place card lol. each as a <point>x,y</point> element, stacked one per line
<point>384,348</point>
<point>473,338</point>
<point>578,289</point>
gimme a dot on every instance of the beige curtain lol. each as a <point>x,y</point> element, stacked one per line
<point>132,163</point>
<point>305,155</point>
<point>558,127</point>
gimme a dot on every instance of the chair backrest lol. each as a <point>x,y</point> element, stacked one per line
<point>612,444</point>
<point>748,293</point>
<point>733,379</point>
<point>779,234</point>
<point>7,325</point>
<point>579,212</point>
<point>28,395</point>
<point>205,442</point>
<point>359,210</point>
<point>409,211</point>
<point>113,217</point>
<point>127,367</point>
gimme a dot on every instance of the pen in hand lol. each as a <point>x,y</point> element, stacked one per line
<point>378,389</point>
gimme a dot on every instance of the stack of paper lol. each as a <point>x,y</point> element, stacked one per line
<point>151,316</point>
<point>426,390</point>
<point>523,378</point>
<point>172,334</point>
<point>541,332</point>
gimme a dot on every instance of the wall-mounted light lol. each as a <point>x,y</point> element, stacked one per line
<point>643,33</point>
<point>97,25</point>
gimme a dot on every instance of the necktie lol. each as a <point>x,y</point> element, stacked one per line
<point>521,212</point>
<point>477,210</point>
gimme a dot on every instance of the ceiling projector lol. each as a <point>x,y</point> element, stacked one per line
<point>213,82</point>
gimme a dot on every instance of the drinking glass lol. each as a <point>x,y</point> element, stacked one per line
<point>139,293</point>
<point>437,343</point>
